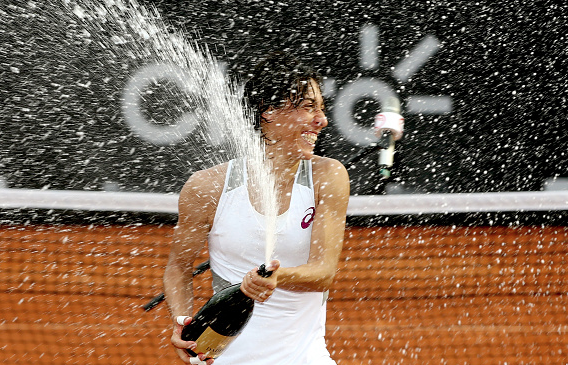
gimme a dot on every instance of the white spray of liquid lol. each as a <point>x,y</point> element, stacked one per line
<point>142,34</point>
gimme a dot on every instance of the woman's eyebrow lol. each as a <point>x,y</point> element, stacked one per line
<point>315,101</point>
<point>310,100</point>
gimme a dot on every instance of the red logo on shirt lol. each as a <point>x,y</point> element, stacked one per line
<point>309,218</point>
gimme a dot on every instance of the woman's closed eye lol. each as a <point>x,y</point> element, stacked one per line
<point>312,107</point>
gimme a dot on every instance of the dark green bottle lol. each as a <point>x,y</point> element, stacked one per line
<point>220,320</point>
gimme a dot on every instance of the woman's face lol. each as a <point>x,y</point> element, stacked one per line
<point>293,130</point>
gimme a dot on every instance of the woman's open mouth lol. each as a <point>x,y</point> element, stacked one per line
<point>310,137</point>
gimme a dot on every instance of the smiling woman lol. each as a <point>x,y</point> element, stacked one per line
<point>221,206</point>
<point>291,131</point>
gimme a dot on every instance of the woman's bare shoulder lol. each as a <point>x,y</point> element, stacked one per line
<point>205,184</point>
<point>325,166</point>
<point>330,178</point>
<point>212,174</point>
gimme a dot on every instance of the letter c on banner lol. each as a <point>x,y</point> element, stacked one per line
<point>345,101</point>
<point>159,135</point>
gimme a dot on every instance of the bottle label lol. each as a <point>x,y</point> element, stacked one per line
<point>211,343</point>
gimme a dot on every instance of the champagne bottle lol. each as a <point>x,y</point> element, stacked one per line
<point>220,320</point>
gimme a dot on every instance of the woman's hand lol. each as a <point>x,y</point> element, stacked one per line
<point>260,288</point>
<point>181,345</point>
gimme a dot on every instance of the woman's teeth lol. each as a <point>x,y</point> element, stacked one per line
<point>310,137</point>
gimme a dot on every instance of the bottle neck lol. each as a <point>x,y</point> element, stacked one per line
<point>263,272</point>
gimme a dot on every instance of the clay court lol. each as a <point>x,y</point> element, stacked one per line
<point>413,295</point>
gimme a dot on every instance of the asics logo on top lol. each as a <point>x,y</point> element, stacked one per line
<point>308,218</point>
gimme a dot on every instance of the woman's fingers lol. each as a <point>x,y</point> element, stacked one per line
<point>257,287</point>
<point>181,345</point>
<point>183,320</point>
<point>273,265</point>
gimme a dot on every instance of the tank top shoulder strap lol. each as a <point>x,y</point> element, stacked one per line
<point>236,175</point>
<point>304,174</point>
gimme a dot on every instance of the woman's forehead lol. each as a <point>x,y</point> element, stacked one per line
<point>313,91</point>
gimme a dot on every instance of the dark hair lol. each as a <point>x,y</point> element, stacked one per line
<point>277,79</point>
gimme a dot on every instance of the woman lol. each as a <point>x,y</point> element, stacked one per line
<point>288,322</point>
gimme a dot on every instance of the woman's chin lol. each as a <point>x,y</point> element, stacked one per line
<point>306,154</point>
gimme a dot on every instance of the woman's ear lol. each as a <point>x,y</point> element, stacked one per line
<point>268,115</point>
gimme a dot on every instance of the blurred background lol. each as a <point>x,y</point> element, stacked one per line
<point>481,84</point>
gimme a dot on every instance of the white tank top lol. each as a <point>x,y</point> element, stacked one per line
<point>289,327</point>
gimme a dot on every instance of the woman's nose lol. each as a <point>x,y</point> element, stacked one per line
<point>320,119</point>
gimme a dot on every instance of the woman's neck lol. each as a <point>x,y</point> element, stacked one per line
<point>284,168</point>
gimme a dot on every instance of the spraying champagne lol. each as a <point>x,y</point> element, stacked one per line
<point>389,126</point>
